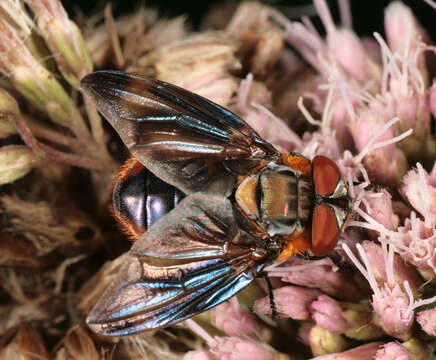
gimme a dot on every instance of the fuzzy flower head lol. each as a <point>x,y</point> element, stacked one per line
<point>392,307</point>
<point>393,304</point>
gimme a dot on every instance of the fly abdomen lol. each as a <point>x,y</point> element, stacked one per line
<point>140,198</point>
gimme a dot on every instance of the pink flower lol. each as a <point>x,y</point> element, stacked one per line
<point>379,206</point>
<point>363,352</point>
<point>253,100</point>
<point>349,52</point>
<point>427,320</point>
<point>419,246</point>
<point>290,301</point>
<point>386,165</point>
<point>403,30</point>
<point>411,105</point>
<point>233,320</point>
<point>420,190</point>
<point>383,272</point>
<point>392,307</point>
<point>327,313</point>
<point>392,351</point>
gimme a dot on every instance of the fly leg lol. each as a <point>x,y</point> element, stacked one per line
<point>271,296</point>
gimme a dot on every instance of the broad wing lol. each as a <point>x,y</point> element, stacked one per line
<point>189,261</point>
<point>183,138</point>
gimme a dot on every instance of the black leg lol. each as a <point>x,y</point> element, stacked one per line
<point>271,297</point>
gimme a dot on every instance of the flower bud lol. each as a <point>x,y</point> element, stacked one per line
<point>36,83</point>
<point>324,342</point>
<point>392,351</point>
<point>400,24</point>
<point>427,320</point>
<point>350,53</point>
<point>412,107</point>
<point>327,312</point>
<point>418,246</point>
<point>233,320</point>
<point>64,38</point>
<point>386,165</point>
<point>15,162</point>
<point>363,352</point>
<point>420,190</point>
<point>401,271</point>
<point>380,209</point>
<point>290,302</point>
<point>392,307</point>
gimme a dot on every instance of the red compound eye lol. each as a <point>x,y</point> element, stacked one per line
<point>326,175</point>
<point>325,230</point>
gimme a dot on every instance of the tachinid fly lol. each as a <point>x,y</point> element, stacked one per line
<point>227,205</point>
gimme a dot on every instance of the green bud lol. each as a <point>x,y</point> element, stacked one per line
<point>15,162</point>
<point>42,89</point>
<point>64,38</point>
<point>324,342</point>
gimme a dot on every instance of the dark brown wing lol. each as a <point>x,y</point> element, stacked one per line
<point>183,138</point>
<point>189,261</point>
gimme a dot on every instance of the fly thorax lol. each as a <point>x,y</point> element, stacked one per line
<point>278,198</point>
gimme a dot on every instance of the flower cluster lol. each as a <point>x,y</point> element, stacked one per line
<point>366,103</point>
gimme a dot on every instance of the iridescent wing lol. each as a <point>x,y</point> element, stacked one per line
<point>183,138</point>
<point>189,261</point>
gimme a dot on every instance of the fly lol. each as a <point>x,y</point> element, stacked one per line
<point>227,203</point>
